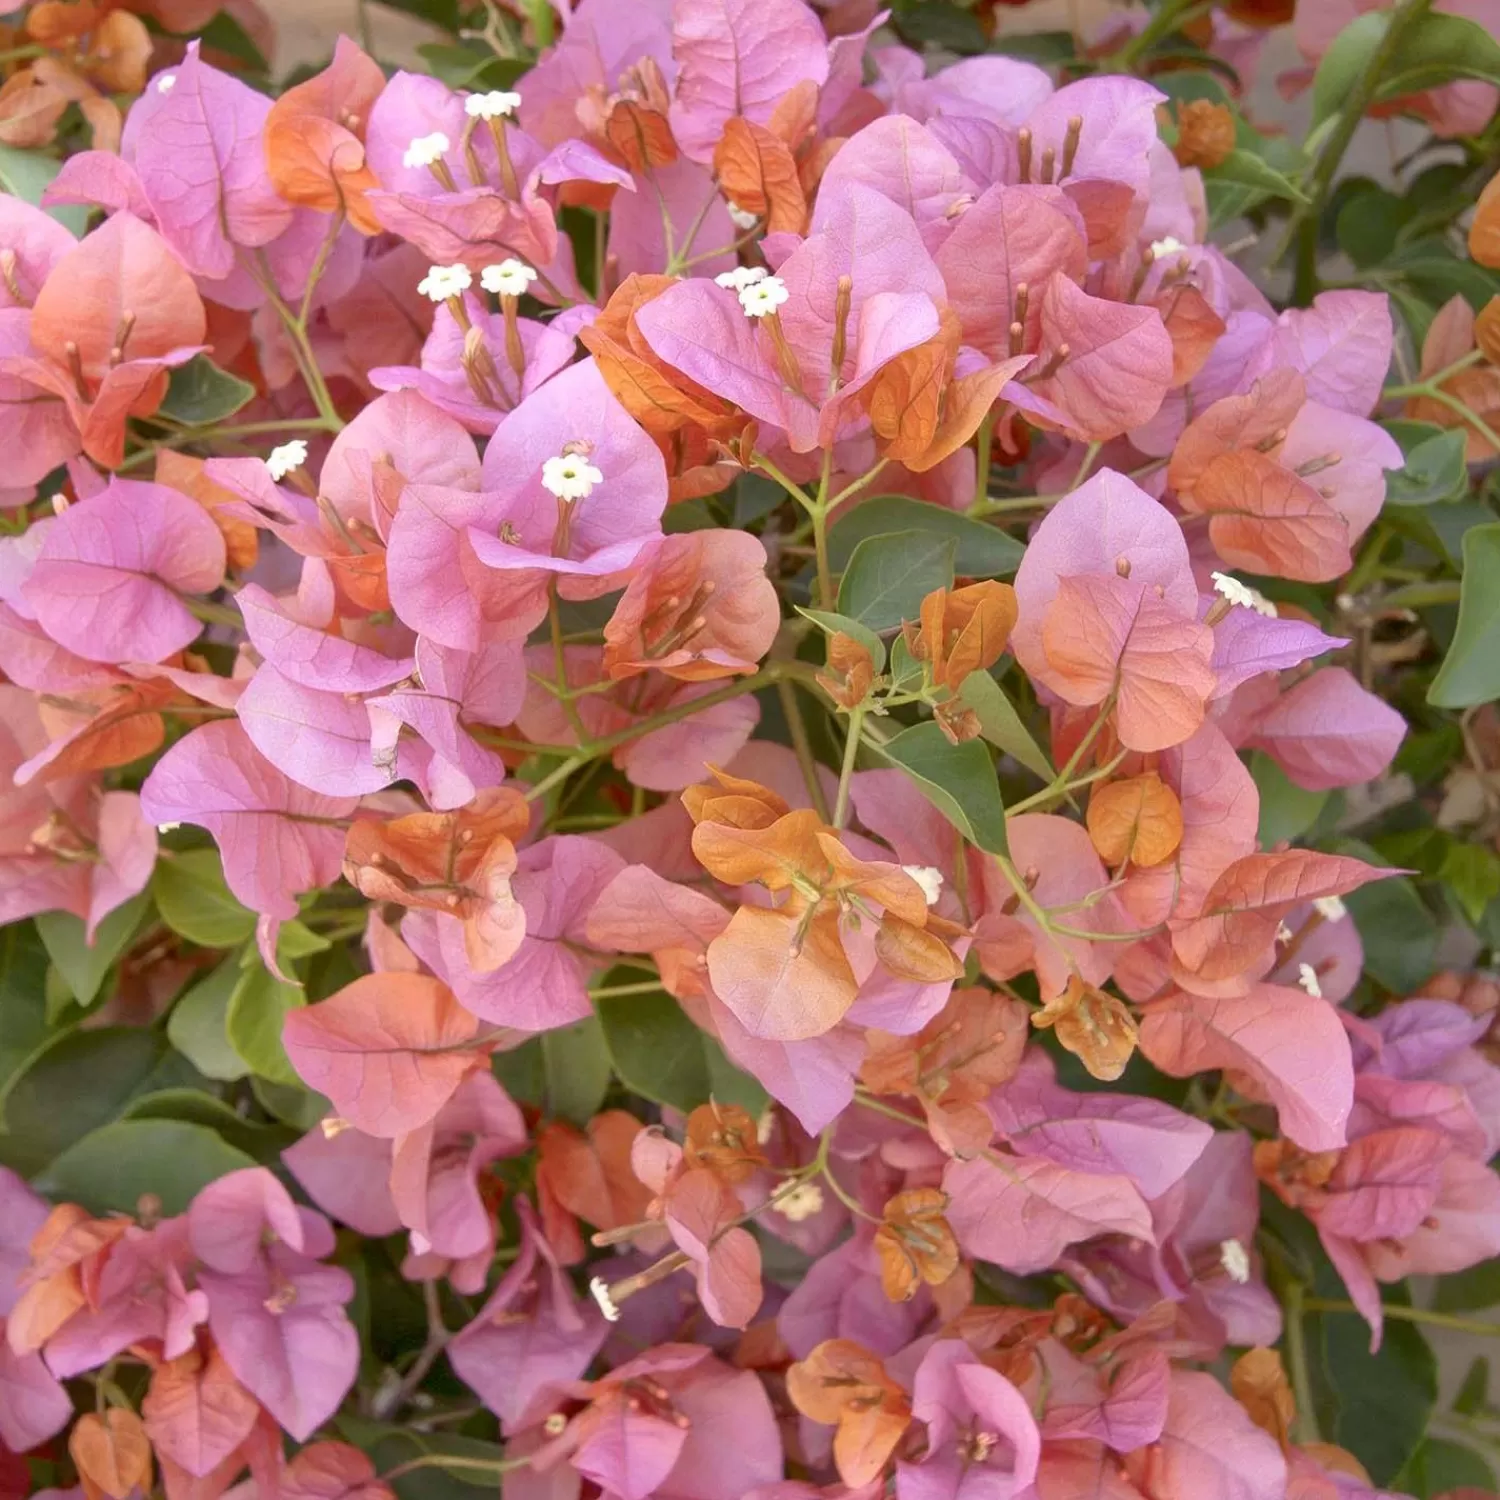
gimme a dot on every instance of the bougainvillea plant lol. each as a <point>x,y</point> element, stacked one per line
<point>749,753</point>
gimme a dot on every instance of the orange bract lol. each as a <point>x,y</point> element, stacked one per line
<point>589,1176</point>
<point>1259,1383</point>
<point>1205,133</point>
<point>1138,819</point>
<point>1095,1027</point>
<point>1484,232</point>
<point>758,174</point>
<point>722,1137</point>
<point>915,1243</point>
<point>963,630</point>
<point>842,1384</point>
<point>112,1453</point>
<point>850,672</point>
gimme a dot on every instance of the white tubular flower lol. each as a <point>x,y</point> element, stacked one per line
<point>742,218</point>
<point>1283,933</point>
<point>498,104</point>
<point>929,878</point>
<point>426,150</point>
<point>1330,908</point>
<point>165,828</point>
<point>599,1290</point>
<point>166,83</point>
<point>442,282</point>
<point>765,1125</point>
<point>804,1200</point>
<point>741,277</point>
<point>570,476</point>
<point>287,457</point>
<point>511,278</point>
<point>763,296</point>
<point>1307,977</point>
<point>1236,1261</point>
<point>1229,587</point>
<point>1171,245</point>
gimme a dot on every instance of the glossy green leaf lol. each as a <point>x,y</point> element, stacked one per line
<point>1287,810</point>
<point>1344,63</point>
<point>1473,1393</point>
<point>1246,169</point>
<point>24,1027</point>
<point>983,551</point>
<point>292,1104</point>
<point>1441,1467</point>
<point>1470,672</point>
<point>195,903</point>
<point>199,1025</point>
<point>253,1019</point>
<point>1471,872</point>
<point>959,780</point>
<point>84,965</point>
<point>578,1070</point>
<point>1001,725</point>
<point>889,576</point>
<point>199,393</point>
<point>1441,49</point>
<point>109,1169</point>
<point>1436,469</point>
<point>1468,1291</point>
<point>26,174</point>
<point>260,1139</point>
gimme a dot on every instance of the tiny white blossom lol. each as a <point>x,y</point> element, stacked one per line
<point>442,282</point>
<point>763,296</point>
<point>1171,245</point>
<point>511,278</point>
<point>1230,588</point>
<point>742,218</point>
<point>741,277</point>
<point>1283,933</point>
<point>765,1125</point>
<point>804,1200</point>
<point>166,83</point>
<point>1330,908</point>
<point>599,1289</point>
<point>1236,1261</point>
<point>930,878</point>
<point>426,149</point>
<point>570,476</point>
<point>287,457</point>
<point>334,1125</point>
<point>1307,977</point>
<point>165,828</point>
<point>498,104</point>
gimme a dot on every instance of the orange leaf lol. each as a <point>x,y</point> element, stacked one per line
<point>965,630</point>
<point>758,174</point>
<point>315,136</point>
<point>1258,1382</point>
<point>911,952</point>
<point>842,1384</point>
<point>1484,232</point>
<point>915,1243</point>
<point>1095,1027</point>
<point>1138,819</point>
<point>722,1137</point>
<point>111,1453</point>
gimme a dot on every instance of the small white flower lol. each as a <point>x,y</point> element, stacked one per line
<point>287,457</point>
<point>763,296</point>
<point>166,83</point>
<point>511,278</point>
<point>1236,1261</point>
<point>1330,908</point>
<point>425,150</point>
<point>570,476</point>
<point>599,1289</point>
<point>1307,977</point>
<point>1171,245</point>
<point>334,1125</point>
<point>765,1125</point>
<point>804,1200</point>
<point>742,218</point>
<point>165,828</point>
<point>1283,933</point>
<point>741,277</point>
<point>930,878</point>
<point>498,104</point>
<point>1230,587</point>
<point>442,282</point>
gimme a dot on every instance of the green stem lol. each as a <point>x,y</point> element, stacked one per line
<point>1171,15</point>
<point>1409,1315</point>
<point>1294,1304</point>
<point>802,745</point>
<point>1427,386</point>
<point>611,991</point>
<point>456,1463</point>
<point>985,452</point>
<point>846,770</point>
<point>1423,595</point>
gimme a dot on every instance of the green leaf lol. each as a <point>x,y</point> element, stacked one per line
<point>1368,220</point>
<point>1399,934</point>
<point>1435,470</point>
<point>292,1104</point>
<point>1344,63</point>
<point>1246,169</point>
<point>26,174</point>
<point>1439,1467</point>
<point>889,576</point>
<point>265,1142</point>
<point>832,624</point>
<point>1472,873</point>
<point>959,780</point>
<point>110,1168</point>
<point>390,1447</point>
<point>252,1022</point>
<point>82,966</point>
<point>660,1055</point>
<point>1467,1291</point>
<point>984,551</point>
<point>199,393</point>
<point>1001,725</point>
<point>199,1025</point>
<point>24,1028</point>
<point>523,1072</point>
<point>1287,811</point>
<point>80,1082</point>
<point>1474,1393</point>
<point>195,902</point>
<point>1375,1405</point>
<point>577,1065</point>
<point>1470,673</point>
<point>1439,50</point>
<point>462,67</point>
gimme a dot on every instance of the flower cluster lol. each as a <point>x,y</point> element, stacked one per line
<point>677,674</point>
